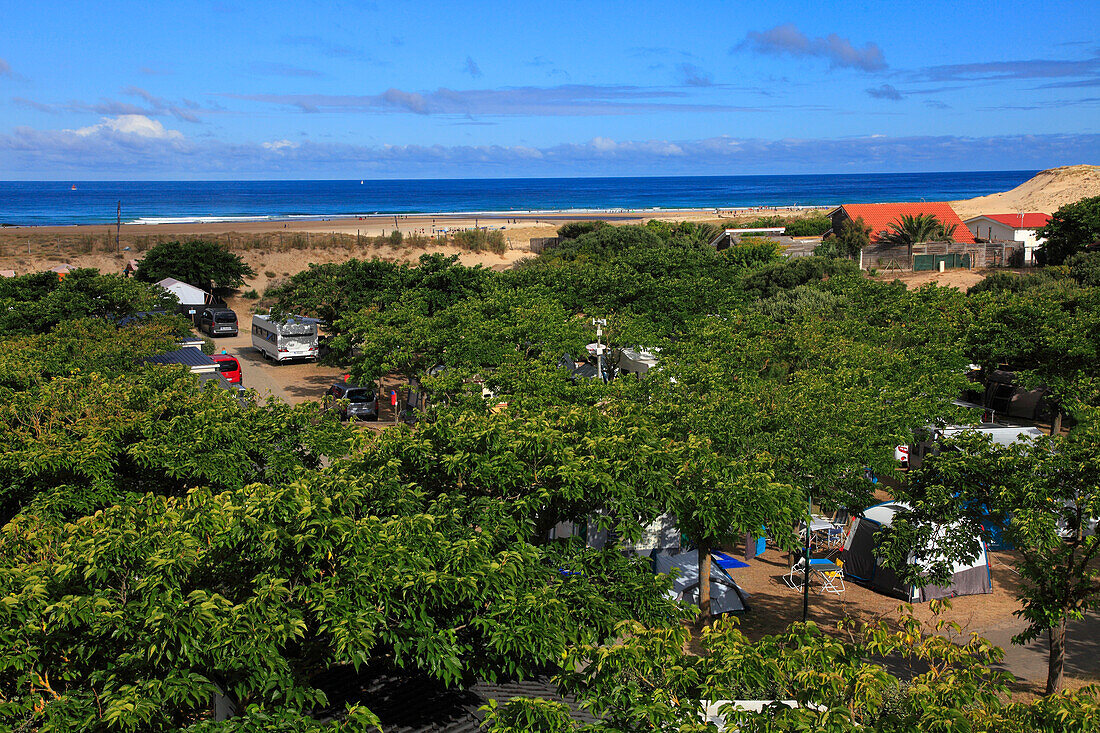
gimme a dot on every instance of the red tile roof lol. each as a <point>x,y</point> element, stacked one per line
<point>880,216</point>
<point>1020,221</point>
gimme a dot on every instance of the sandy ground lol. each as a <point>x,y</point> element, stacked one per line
<point>774,605</point>
<point>957,278</point>
<point>1046,192</point>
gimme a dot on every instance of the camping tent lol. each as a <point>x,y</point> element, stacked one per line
<point>862,565</point>
<point>725,595</point>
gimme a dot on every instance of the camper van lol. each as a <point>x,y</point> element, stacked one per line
<point>927,441</point>
<point>294,338</point>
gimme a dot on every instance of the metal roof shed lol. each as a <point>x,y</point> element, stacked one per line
<point>191,358</point>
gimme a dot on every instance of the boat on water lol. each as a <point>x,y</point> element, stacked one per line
<point>74,186</point>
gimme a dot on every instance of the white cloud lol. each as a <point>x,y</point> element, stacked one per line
<point>129,148</point>
<point>279,145</point>
<point>138,126</point>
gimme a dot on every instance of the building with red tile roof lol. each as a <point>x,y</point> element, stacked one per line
<point>1032,220</point>
<point>1010,228</point>
<point>880,216</point>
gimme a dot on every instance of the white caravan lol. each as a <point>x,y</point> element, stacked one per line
<point>294,338</point>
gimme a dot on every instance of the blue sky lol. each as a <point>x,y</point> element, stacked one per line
<point>220,89</point>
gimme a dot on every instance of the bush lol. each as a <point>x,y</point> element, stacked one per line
<point>751,251</point>
<point>574,229</point>
<point>789,274</point>
<point>809,226</point>
<point>252,295</point>
<point>1084,267</point>
<point>396,238</point>
<point>270,274</point>
<point>478,240</point>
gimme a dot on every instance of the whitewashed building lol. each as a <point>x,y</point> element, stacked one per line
<point>1010,228</point>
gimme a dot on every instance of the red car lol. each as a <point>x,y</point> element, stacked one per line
<point>228,367</point>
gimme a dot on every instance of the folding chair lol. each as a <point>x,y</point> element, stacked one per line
<point>793,579</point>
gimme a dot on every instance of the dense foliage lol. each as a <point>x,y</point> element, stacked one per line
<point>39,302</point>
<point>166,545</point>
<point>1071,228</point>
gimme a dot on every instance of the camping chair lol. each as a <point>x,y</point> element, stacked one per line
<point>793,579</point>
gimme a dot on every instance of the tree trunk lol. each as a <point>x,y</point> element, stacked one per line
<point>704,583</point>
<point>1057,660</point>
<point>1056,425</point>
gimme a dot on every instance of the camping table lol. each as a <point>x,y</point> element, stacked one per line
<point>825,570</point>
<point>824,533</point>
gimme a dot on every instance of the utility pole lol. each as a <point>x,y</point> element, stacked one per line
<point>806,559</point>
<point>118,230</point>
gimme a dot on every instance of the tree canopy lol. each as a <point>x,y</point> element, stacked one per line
<point>1071,228</point>
<point>197,262</point>
<point>165,545</point>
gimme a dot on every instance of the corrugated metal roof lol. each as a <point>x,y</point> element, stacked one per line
<point>880,216</point>
<point>188,357</point>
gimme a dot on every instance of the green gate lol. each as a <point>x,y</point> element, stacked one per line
<point>932,262</point>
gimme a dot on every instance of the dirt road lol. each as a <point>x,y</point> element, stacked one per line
<point>292,382</point>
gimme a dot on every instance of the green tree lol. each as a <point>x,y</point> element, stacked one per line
<point>135,617</point>
<point>911,229</point>
<point>1071,228</point>
<point>197,262</point>
<point>853,238</point>
<point>84,441</point>
<point>645,681</point>
<point>1044,494</point>
<point>39,302</point>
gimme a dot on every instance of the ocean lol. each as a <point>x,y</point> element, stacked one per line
<point>151,202</point>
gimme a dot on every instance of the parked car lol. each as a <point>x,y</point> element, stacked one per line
<point>218,321</point>
<point>229,367</point>
<point>352,401</point>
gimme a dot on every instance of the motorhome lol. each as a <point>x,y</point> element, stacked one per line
<point>293,338</point>
<point>928,440</point>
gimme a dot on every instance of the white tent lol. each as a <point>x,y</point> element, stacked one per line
<point>862,564</point>
<point>188,295</point>
<point>725,595</point>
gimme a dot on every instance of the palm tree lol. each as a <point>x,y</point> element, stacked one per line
<point>910,230</point>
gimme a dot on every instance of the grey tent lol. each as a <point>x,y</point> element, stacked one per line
<point>861,562</point>
<point>725,595</point>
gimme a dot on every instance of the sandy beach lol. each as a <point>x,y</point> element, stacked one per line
<point>382,224</point>
<point>279,248</point>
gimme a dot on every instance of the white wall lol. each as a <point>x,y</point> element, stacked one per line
<point>998,232</point>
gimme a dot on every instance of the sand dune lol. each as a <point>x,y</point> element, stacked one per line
<point>1046,192</point>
